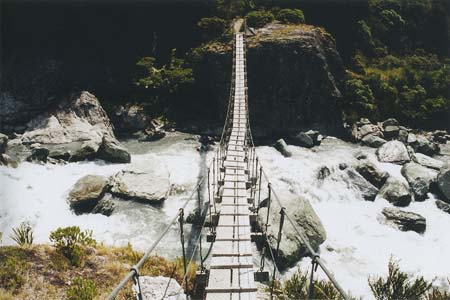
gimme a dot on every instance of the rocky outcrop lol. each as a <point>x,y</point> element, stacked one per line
<point>405,221</point>
<point>419,178</point>
<point>373,141</point>
<point>87,192</point>
<point>372,174</point>
<point>396,192</point>
<point>393,152</point>
<point>281,146</point>
<point>294,73</point>
<point>160,288</point>
<point>443,181</point>
<point>76,130</point>
<point>291,248</point>
<point>142,182</point>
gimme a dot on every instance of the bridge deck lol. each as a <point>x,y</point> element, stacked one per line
<point>231,269</point>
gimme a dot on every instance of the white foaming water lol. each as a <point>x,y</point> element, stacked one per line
<point>359,245</point>
<point>38,193</point>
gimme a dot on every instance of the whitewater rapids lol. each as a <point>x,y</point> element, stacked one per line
<point>357,245</point>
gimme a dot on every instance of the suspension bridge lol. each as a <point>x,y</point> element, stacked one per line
<point>235,183</point>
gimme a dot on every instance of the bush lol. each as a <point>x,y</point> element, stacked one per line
<point>291,16</point>
<point>212,27</point>
<point>359,100</point>
<point>23,235</point>
<point>259,18</point>
<point>11,273</point>
<point>82,289</point>
<point>70,241</point>
<point>297,287</point>
<point>398,285</point>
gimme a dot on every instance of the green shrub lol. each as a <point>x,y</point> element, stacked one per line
<point>70,241</point>
<point>11,273</point>
<point>82,289</point>
<point>259,18</point>
<point>291,16</point>
<point>297,287</point>
<point>398,285</point>
<point>212,27</point>
<point>359,101</point>
<point>23,235</point>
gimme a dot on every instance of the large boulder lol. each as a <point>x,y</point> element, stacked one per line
<point>425,146</point>
<point>281,146</point>
<point>393,152</point>
<point>369,129</point>
<point>389,122</point>
<point>303,140</point>
<point>396,192</point>
<point>372,174</point>
<point>405,221</point>
<point>111,150</point>
<point>443,181</point>
<point>373,141</point>
<point>160,288</point>
<point>420,179</point>
<point>294,76</point>
<point>391,132</point>
<point>87,191</point>
<point>367,190</point>
<point>148,183</point>
<point>105,206</point>
<point>74,130</point>
<point>427,161</point>
<point>305,218</point>
<point>131,118</point>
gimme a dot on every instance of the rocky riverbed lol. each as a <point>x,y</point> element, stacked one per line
<point>360,226</point>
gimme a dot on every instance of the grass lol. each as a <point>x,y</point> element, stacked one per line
<point>44,273</point>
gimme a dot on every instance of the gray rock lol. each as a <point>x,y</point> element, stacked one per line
<point>391,131</point>
<point>3,142</point>
<point>411,139</point>
<point>291,248</point>
<point>364,121</point>
<point>150,135</point>
<point>160,288</point>
<point>87,191</point>
<point>360,155</point>
<point>323,173</point>
<point>315,136</point>
<point>111,150</point>
<point>6,160</point>
<point>445,149</point>
<point>131,118</point>
<point>405,221</point>
<point>443,181</point>
<point>423,145</point>
<point>303,140</point>
<point>427,161</point>
<point>367,190</point>
<point>403,136</point>
<point>38,155</point>
<point>419,178</point>
<point>143,182</point>
<point>343,166</point>
<point>445,207</point>
<point>396,192</point>
<point>393,152</point>
<point>370,129</point>
<point>373,141</point>
<point>439,136</point>
<point>281,146</point>
<point>372,174</point>
<point>73,131</point>
<point>105,207</point>
<point>389,122</point>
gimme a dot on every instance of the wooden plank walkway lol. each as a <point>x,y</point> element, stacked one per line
<point>231,269</point>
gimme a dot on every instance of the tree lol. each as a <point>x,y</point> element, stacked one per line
<point>212,27</point>
<point>259,18</point>
<point>291,16</point>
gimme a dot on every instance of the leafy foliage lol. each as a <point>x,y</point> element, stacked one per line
<point>291,16</point>
<point>82,289</point>
<point>297,287</point>
<point>70,241</point>
<point>360,100</point>
<point>212,27</point>
<point>23,235</point>
<point>11,273</point>
<point>398,285</point>
<point>259,18</point>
